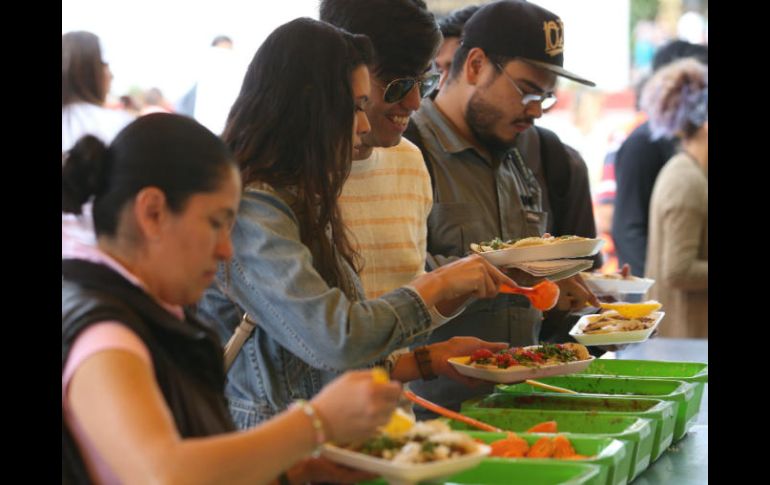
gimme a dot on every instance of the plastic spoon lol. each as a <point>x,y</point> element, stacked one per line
<point>549,387</point>
<point>543,295</point>
<point>447,413</point>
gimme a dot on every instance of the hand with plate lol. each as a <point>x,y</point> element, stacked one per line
<point>622,323</point>
<point>521,363</point>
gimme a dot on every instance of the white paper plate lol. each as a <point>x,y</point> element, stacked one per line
<point>613,338</point>
<point>562,250</point>
<point>516,373</point>
<point>403,473</point>
<point>633,285</point>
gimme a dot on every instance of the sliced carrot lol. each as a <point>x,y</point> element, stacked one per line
<point>562,447</point>
<point>544,427</point>
<point>510,447</point>
<point>543,448</point>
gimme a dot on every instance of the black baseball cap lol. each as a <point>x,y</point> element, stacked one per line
<point>516,28</point>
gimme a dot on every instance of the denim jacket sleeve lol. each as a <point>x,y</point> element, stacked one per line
<point>272,278</point>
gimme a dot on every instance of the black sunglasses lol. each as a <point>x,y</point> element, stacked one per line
<point>397,89</point>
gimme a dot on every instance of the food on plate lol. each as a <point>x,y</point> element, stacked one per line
<point>633,310</point>
<point>608,276</point>
<point>612,321</point>
<point>514,446</point>
<point>532,356</point>
<point>426,441</point>
<point>497,243</point>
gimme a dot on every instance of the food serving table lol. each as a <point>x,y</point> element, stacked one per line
<point>686,462</point>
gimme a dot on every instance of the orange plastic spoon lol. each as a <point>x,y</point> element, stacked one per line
<point>448,413</point>
<point>543,295</point>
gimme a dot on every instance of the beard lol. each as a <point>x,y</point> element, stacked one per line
<point>482,117</point>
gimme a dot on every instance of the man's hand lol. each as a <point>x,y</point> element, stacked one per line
<point>574,295</point>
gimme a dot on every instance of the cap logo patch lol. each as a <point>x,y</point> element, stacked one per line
<point>554,37</point>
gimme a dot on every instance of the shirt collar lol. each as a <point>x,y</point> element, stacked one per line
<point>449,139</point>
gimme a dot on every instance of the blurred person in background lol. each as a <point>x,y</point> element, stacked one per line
<point>676,101</point>
<point>85,84</point>
<point>142,379</point>
<point>636,166</point>
<point>154,102</point>
<point>219,80</point>
<point>451,28</point>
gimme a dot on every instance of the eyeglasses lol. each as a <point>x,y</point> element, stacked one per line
<point>397,89</point>
<point>546,100</point>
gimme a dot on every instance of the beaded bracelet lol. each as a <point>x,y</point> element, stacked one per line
<point>318,426</point>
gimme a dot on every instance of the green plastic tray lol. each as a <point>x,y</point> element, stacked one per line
<point>610,455</point>
<point>503,471</point>
<point>695,372</point>
<point>663,412</point>
<point>628,388</point>
<point>637,433</point>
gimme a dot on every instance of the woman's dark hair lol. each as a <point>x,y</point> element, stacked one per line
<point>292,124</point>
<point>173,153</point>
<point>404,33</point>
<point>82,69</point>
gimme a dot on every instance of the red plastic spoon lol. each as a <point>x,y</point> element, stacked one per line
<point>543,295</point>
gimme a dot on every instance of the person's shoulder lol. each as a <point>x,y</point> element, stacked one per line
<point>262,204</point>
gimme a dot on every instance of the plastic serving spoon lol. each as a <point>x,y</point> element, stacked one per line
<point>447,413</point>
<point>543,295</point>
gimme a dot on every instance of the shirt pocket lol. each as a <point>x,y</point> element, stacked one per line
<point>535,223</point>
<point>453,227</point>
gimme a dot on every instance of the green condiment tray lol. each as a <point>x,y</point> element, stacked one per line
<point>626,388</point>
<point>610,455</point>
<point>503,471</point>
<point>662,412</point>
<point>694,372</point>
<point>637,433</point>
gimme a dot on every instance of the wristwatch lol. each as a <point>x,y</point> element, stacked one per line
<point>422,356</point>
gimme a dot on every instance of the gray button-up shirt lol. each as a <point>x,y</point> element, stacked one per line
<point>477,196</point>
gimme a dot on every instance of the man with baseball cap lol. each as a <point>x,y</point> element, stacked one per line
<point>501,79</point>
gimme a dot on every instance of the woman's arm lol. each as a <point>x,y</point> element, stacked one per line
<point>116,400</point>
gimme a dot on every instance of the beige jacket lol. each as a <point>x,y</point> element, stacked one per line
<point>677,252</point>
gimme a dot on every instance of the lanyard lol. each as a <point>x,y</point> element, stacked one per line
<point>529,189</point>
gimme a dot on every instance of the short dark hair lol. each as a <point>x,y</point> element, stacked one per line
<point>452,25</point>
<point>679,49</point>
<point>292,125</point>
<point>461,54</point>
<point>404,33</point>
<point>82,69</point>
<point>172,152</point>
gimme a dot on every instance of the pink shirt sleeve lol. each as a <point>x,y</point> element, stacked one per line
<point>96,338</point>
<point>101,336</point>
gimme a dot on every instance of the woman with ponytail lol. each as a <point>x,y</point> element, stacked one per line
<point>142,379</point>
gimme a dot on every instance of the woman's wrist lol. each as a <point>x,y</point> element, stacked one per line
<point>310,412</point>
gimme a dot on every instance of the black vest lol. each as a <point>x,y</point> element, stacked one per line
<point>186,356</point>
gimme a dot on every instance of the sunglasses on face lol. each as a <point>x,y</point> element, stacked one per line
<point>397,89</point>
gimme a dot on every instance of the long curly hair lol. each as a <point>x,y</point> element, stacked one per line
<point>676,99</point>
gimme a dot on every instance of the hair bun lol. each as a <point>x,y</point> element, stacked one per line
<point>83,173</point>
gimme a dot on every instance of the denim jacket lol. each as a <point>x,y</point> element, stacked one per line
<point>307,332</point>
